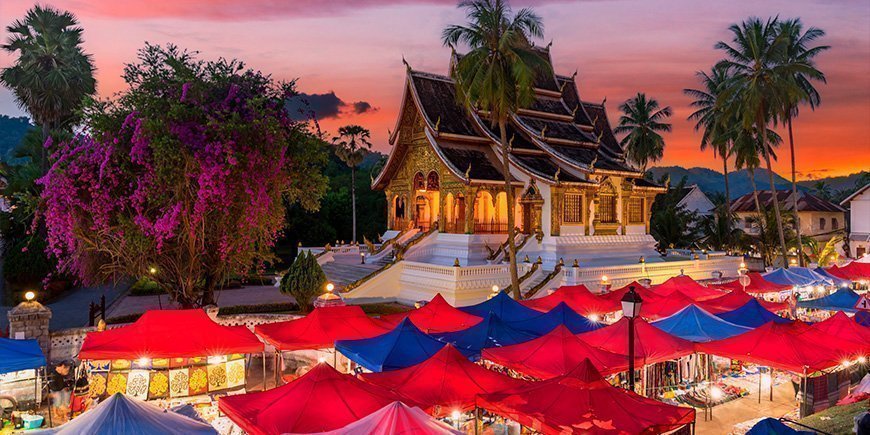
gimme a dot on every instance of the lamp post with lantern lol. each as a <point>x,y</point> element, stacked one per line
<point>631,303</point>
<point>743,277</point>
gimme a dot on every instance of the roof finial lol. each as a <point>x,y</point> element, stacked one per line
<point>389,133</point>
<point>573,76</point>
<point>407,65</point>
<point>550,44</point>
<point>603,101</point>
<point>438,124</point>
<point>556,175</point>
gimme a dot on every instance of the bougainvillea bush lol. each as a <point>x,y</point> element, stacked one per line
<point>183,176</point>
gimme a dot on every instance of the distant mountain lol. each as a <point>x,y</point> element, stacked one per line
<point>845,182</point>
<point>12,130</point>
<point>712,181</point>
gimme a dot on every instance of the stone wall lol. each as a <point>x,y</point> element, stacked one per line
<point>30,319</point>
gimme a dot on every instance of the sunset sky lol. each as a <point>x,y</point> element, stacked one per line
<point>353,49</point>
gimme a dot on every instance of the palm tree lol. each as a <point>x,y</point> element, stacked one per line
<point>761,85</point>
<point>497,75</point>
<point>766,239</point>
<point>712,119</point>
<point>351,146</point>
<point>823,254</point>
<point>822,189</point>
<point>643,122</point>
<point>797,50</point>
<point>52,74</point>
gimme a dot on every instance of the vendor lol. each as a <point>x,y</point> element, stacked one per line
<point>59,387</point>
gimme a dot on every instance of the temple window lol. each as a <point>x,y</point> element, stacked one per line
<point>572,208</point>
<point>419,182</point>
<point>607,209</point>
<point>432,181</point>
<point>635,210</point>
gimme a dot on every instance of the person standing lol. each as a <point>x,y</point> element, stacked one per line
<point>59,387</point>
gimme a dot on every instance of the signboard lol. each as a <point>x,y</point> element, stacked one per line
<point>863,303</point>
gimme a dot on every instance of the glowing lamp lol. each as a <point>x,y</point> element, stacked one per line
<point>30,295</point>
<point>846,363</point>
<point>152,270</point>
<point>321,360</point>
<point>144,361</point>
<point>594,318</point>
<point>604,279</point>
<point>330,287</point>
<point>862,359</point>
<point>631,303</point>
<point>716,393</point>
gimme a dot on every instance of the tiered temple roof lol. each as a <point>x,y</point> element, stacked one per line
<point>558,139</point>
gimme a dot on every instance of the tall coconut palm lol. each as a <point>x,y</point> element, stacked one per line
<point>761,85</point>
<point>643,122</point>
<point>52,74</point>
<point>797,49</point>
<point>712,119</point>
<point>497,76</point>
<point>351,146</point>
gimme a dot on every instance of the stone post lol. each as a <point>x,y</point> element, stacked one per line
<point>30,319</point>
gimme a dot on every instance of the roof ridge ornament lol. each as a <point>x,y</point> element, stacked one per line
<point>549,45</point>
<point>574,112</point>
<point>562,86</point>
<point>544,132</point>
<point>573,76</point>
<point>438,124</point>
<point>603,101</point>
<point>598,139</point>
<point>407,65</point>
<point>556,175</point>
<point>468,173</point>
<point>595,121</point>
<point>511,142</point>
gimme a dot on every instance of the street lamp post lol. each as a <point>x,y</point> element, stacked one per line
<point>631,302</point>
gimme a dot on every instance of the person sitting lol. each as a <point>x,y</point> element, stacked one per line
<point>59,391</point>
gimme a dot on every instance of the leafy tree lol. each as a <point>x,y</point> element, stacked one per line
<point>52,74</point>
<point>304,280</point>
<point>822,189</point>
<point>670,223</point>
<point>351,146</point>
<point>185,172</point>
<point>762,85</point>
<point>497,75</point>
<point>718,131</point>
<point>766,240</point>
<point>643,122</point>
<point>823,254</point>
<point>719,230</point>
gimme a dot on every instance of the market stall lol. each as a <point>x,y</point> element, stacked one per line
<point>844,299</point>
<point>403,346</point>
<point>551,406</point>
<point>578,297</point>
<point>652,345</point>
<point>562,315</point>
<point>695,324</point>
<point>320,329</point>
<point>437,316</point>
<point>444,383</point>
<point>21,364</point>
<point>842,326</point>
<point>491,332</point>
<point>688,287</point>
<point>555,354</point>
<point>320,400</point>
<point>396,418</point>
<point>757,285</point>
<point>503,306</point>
<point>665,306</point>
<point>856,271</point>
<point>120,414</point>
<point>614,296</point>
<point>752,314</point>
<point>170,356</point>
<point>735,299</point>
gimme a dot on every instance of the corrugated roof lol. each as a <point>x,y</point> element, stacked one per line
<point>806,202</point>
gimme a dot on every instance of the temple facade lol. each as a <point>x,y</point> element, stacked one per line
<point>569,174</point>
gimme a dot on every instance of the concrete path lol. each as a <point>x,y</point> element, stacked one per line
<point>71,310</point>
<point>250,295</point>
<point>727,415</point>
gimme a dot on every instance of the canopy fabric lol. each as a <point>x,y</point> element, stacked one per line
<point>578,297</point>
<point>170,334</point>
<point>320,329</point>
<point>321,400</point>
<point>688,287</point>
<point>651,344</point>
<point>735,299</point>
<point>503,306</point>
<point>836,280</point>
<point>784,346</point>
<point>437,316</point>
<point>842,326</point>
<point>751,315</point>
<point>863,318</point>
<point>793,277</point>
<point>18,355</point>
<point>854,271</point>
<point>582,402</point>
<point>665,306</point>
<point>446,382</point>
<point>772,426</point>
<point>695,324</point>
<point>561,314</point>
<point>396,418</point>
<point>615,296</point>
<point>555,354</point>
<point>120,414</point>
<point>491,332</point>
<point>757,285</point>
<point>843,299</point>
<point>402,347</point>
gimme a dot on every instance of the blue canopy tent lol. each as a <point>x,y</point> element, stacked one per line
<point>561,314</point>
<point>839,282</point>
<point>696,324</point>
<point>843,299</point>
<point>863,318</point>
<point>404,346</point>
<point>504,307</point>
<point>751,315</point>
<point>772,426</point>
<point>797,277</point>
<point>18,355</point>
<point>491,332</point>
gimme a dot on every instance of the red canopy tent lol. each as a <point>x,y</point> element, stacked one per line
<point>170,334</point>
<point>688,287</point>
<point>555,354</point>
<point>735,299</point>
<point>651,344</point>
<point>665,306</point>
<point>438,316</point>
<point>321,400</point>
<point>581,402</point>
<point>445,382</point>
<point>320,329</point>
<point>393,419</point>
<point>842,326</point>
<point>578,298</point>
<point>854,271</point>
<point>757,285</point>
<point>784,346</point>
<point>615,296</point>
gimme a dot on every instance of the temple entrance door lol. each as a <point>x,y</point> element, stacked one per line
<point>527,218</point>
<point>460,214</point>
<point>423,217</point>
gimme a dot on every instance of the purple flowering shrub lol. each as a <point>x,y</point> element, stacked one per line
<point>186,172</point>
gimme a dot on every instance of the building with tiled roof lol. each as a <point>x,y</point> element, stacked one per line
<point>819,218</point>
<point>858,204</point>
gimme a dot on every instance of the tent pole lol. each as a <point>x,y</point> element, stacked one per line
<point>335,358</point>
<point>759,384</point>
<point>803,403</point>
<point>771,384</point>
<point>476,419</point>
<point>264,370</point>
<point>50,423</point>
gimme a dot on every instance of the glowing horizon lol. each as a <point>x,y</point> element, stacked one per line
<point>355,49</point>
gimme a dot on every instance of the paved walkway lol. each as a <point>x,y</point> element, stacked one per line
<point>727,415</point>
<point>71,310</point>
<point>250,295</point>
